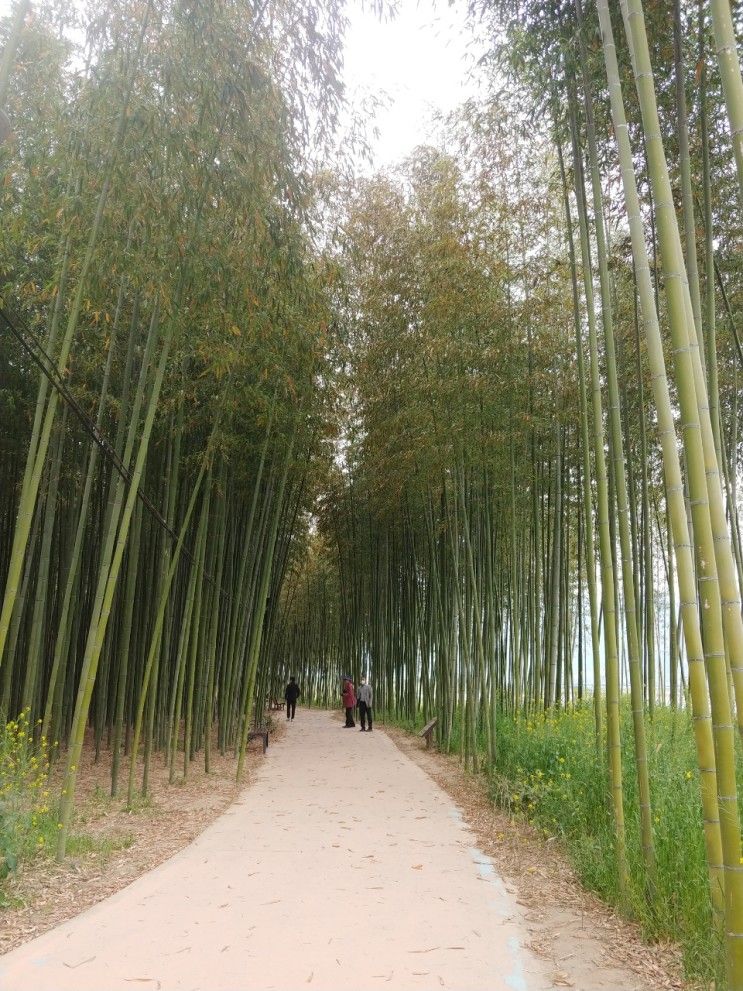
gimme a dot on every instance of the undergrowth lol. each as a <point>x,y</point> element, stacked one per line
<point>28,824</point>
<point>549,770</point>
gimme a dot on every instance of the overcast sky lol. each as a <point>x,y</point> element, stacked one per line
<point>420,60</point>
<point>417,63</point>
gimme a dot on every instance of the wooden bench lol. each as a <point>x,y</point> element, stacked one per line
<point>276,704</point>
<point>428,729</point>
<point>259,732</point>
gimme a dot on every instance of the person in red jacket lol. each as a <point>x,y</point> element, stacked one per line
<point>349,701</point>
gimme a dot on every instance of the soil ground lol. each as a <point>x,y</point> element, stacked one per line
<point>344,865</point>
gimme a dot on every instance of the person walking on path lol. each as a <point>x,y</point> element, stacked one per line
<point>349,701</point>
<point>365,696</point>
<point>291,694</point>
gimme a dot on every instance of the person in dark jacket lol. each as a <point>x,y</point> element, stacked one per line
<point>365,697</point>
<point>291,694</point>
<point>349,701</point>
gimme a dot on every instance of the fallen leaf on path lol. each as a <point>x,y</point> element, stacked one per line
<point>417,867</point>
<point>74,966</point>
<point>429,950</point>
<point>309,979</point>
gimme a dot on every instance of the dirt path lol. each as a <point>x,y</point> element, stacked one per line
<point>343,866</point>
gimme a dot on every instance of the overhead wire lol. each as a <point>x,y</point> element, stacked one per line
<point>34,348</point>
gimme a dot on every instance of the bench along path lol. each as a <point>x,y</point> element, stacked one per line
<point>342,866</point>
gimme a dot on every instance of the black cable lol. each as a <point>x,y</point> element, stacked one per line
<point>48,368</point>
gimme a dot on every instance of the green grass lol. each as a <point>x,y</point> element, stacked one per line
<point>141,803</point>
<point>549,771</point>
<point>82,843</point>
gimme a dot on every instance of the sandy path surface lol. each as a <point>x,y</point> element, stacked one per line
<point>343,866</point>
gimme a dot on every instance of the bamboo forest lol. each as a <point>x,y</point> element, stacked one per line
<point>467,426</point>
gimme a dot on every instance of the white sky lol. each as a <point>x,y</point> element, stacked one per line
<point>418,62</point>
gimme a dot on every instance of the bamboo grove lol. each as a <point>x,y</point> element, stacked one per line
<point>469,426</point>
<point>537,506</point>
<point>156,261</point>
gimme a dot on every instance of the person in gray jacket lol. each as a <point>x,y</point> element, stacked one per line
<point>364,698</point>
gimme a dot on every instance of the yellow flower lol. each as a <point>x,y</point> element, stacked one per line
<point>688,775</point>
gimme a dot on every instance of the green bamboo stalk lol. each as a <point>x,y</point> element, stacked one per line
<point>672,471</point>
<point>38,456</point>
<point>732,85</point>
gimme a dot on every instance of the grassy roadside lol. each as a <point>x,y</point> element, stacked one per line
<point>549,772</point>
